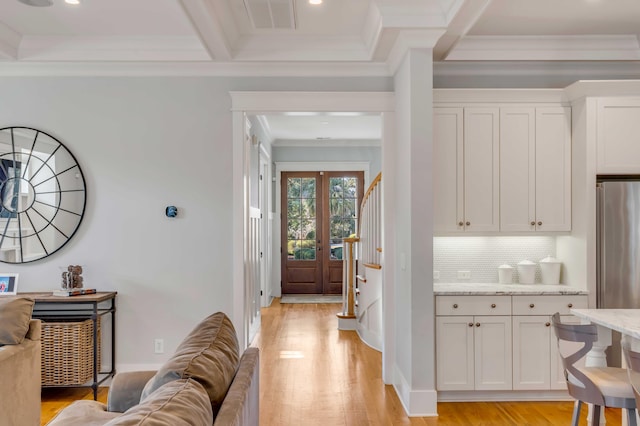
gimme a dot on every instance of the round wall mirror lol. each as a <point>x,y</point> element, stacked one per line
<point>42,195</point>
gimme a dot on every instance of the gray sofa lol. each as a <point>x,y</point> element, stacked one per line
<point>205,382</point>
<point>20,352</point>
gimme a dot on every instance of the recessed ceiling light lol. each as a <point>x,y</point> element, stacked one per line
<point>37,3</point>
<point>315,2</point>
<point>72,1</point>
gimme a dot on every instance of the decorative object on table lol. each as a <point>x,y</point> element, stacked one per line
<point>72,282</point>
<point>8,284</point>
<point>527,272</point>
<point>505,274</point>
<point>42,195</point>
<point>550,270</point>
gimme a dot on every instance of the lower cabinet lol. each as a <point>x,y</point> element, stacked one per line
<point>500,352</point>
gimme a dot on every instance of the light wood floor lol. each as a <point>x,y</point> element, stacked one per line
<point>314,374</point>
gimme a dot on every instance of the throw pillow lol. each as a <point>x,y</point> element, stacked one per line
<point>209,355</point>
<point>178,403</point>
<point>15,314</point>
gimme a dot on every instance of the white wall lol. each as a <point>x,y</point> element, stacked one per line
<point>143,144</point>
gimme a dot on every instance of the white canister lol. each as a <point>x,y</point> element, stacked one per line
<point>527,272</point>
<point>505,274</point>
<point>550,270</point>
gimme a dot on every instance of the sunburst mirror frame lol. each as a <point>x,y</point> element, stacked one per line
<point>42,195</point>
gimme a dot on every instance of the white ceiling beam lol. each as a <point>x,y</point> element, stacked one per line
<point>461,20</point>
<point>208,26</point>
<point>9,43</point>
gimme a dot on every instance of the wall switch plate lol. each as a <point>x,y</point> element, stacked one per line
<point>158,346</point>
<point>436,275</point>
<point>464,275</point>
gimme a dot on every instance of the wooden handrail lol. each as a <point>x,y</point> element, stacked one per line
<point>374,183</point>
<point>361,278</point>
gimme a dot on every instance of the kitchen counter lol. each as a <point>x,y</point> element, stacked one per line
<point>441,289</point>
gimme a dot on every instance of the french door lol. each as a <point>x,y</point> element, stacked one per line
<point>319,209</point>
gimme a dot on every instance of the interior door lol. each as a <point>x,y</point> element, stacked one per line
<point>319,209</point>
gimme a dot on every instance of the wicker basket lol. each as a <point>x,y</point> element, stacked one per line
<point>67,352</point>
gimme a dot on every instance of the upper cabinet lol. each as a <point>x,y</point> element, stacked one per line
<point>618,127</point>
<point>535,169</point>
<point>502,166</point>
<point>466,169</point>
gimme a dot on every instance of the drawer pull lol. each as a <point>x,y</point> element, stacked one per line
<point>548,324</point>
<point>539,223</point>
<point>468,223</point>
<point>570,305</point>
<point>455,306</point>
<point>477,324</point>
<point>470,324</point>
<point>533,223</point>
<point>493,305</point>
<point>460,223</point>
<point>532,306</point>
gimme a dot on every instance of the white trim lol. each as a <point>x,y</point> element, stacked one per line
<point>553,97</point>
<point>263,102</point>
<point>547,48</point>
<point>207,25</point>
<point>415,39</point>
<point>417,403</point>
<point>266,128</point>
<point>584,88</point>
<point>480,396</point>
<point>240,216</point>
<point>334,143</point>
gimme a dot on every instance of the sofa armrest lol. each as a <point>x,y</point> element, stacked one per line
<point>125,390</point>
<point>241,406</point>
<point>35,330</point>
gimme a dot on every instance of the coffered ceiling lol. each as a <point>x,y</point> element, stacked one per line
<point>294,37</point>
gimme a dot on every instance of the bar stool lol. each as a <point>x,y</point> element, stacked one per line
<point>600,386</point>
<point>633,368</point>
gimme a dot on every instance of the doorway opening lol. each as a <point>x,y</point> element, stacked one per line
<point>319,210</point>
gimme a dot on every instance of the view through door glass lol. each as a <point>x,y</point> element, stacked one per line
<point>319,209</point>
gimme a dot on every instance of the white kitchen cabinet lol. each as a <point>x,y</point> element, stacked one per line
<point>536,364</point>
<point>473,348</point>
<point>466,169</point>
<point>535,169</point>
<point>618,127</point>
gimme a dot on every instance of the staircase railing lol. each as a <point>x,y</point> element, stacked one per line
<point>366,247</point>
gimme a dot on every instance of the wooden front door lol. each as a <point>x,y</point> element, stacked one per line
<point>319,209</point>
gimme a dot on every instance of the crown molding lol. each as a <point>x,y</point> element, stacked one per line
<point>585,88</point>
<point>9,42</point>
<point>284,47</point>
<point>417,39</point>
<point>63,48</point>
<point>547,48</point>
<point>454,97</point>
<point>326,143</point>
<point>586,70</point>
<point>192,69</point>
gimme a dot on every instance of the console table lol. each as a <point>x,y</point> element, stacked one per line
<point>89,306</point>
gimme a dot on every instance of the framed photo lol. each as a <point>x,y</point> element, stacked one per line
<point>8,284</point>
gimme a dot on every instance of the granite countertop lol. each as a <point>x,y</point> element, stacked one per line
<point>626,321</point>
<point>443,289</point>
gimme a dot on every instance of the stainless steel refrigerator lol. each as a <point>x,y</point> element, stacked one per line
<point>618,248</point>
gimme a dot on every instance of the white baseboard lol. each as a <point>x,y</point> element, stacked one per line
<point>346,323</point>
<point>478,396</point>
<point>416,403</point>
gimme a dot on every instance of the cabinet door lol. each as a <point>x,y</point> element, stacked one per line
<point>553,169</point>
<point>481,173</point>
<point>492,352</point>
<point>531,353</point>
<point>517,169</point>
<point>454,353</point>
<point>447,169</point>
<point>618,127</point>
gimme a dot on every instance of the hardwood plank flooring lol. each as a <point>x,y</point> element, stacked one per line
<point>311,373</point>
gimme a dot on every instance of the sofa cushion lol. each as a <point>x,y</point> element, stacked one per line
<point>15,314</point>
<point>177,403</point>
<point>83,413</point>
<point>209,355</point>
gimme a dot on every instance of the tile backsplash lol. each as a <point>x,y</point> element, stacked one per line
<point>482,256</point>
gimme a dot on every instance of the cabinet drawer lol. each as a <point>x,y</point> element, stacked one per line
<point>473,305</point>
<point>547,305</point>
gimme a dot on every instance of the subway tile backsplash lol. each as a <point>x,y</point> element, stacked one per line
<point>482,256</point>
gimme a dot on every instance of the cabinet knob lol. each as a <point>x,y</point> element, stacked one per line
<point>493,305</point>
<point>532,305</point>
<point>547,324</point>
<point>539,223</point>
<point>461,223</point>
<point>477,324</point>
<point>455,306</point>
<point>570,305</point>
<point>468,223</point>
<point>470,324</point>
<point>533,223</point>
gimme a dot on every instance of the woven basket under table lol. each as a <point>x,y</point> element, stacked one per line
<point>67,352</point>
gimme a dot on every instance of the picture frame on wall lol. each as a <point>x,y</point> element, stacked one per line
<point>8,284</point>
